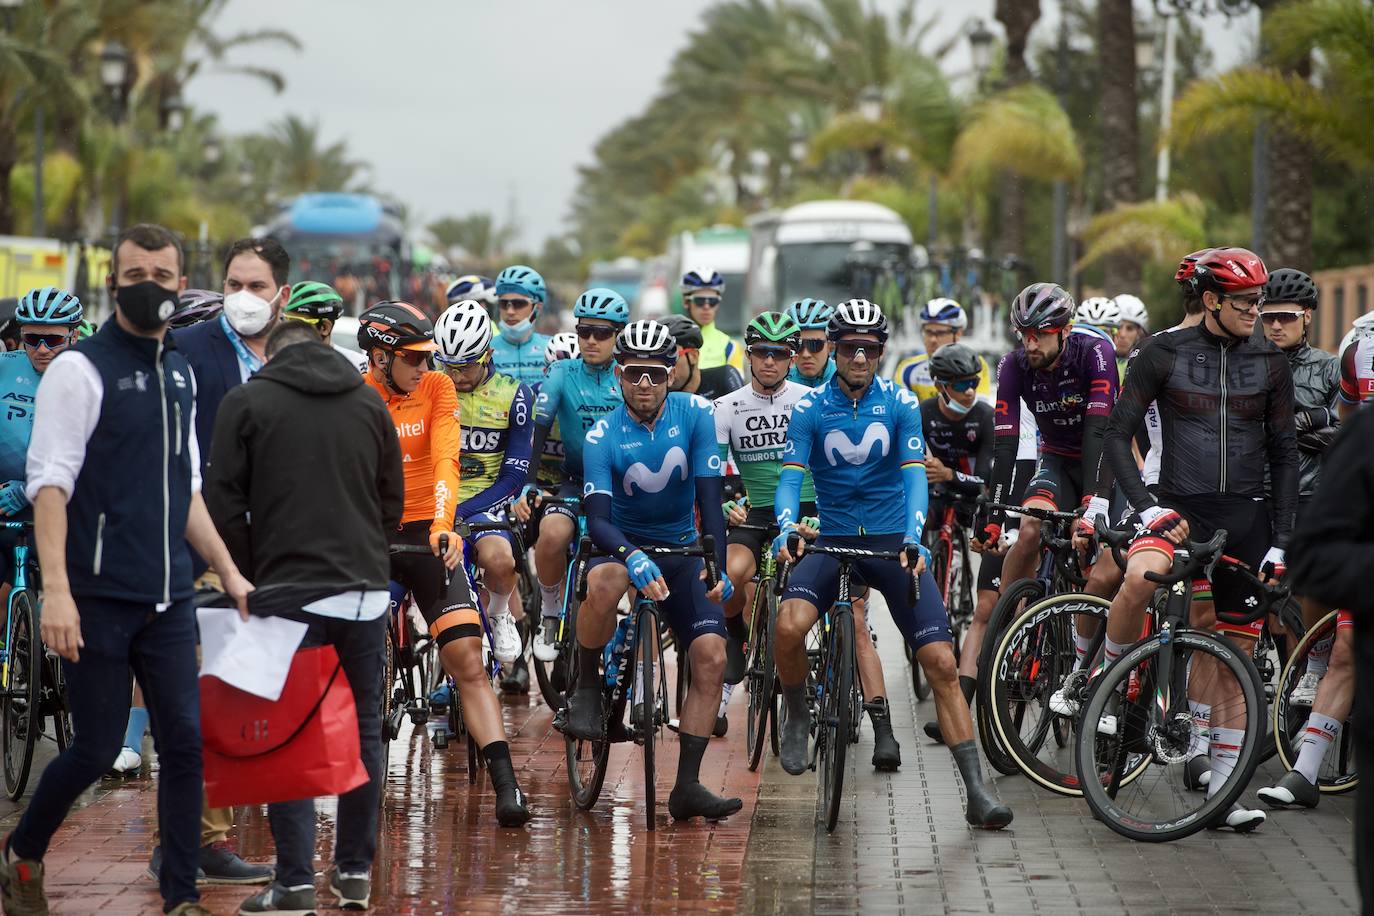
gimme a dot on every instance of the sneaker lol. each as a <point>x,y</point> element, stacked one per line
<point>1291,791</point>
<point>21,885</point>
<point>505,637</point>
<point>221,865</point>
<point>353,891</point>
<point>154,869</point>
<point>1197,772</point>
<point>438,700</point>
<point>1240,819</point>
<point>546,640</point>
<point>1061,704</point>
<point>189,908</point>
<point>1305,694</point>
<point>283,901</point>
<point>128,761</point>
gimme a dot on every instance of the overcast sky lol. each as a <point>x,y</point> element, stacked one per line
<point>460,106</point>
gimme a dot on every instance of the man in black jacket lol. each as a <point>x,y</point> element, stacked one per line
<point>1332,553</point>
<point>304,483</point>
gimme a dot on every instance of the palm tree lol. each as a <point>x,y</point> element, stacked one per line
<point>1017,17</point>
<point>475,239</point>
<point>1118,114</point>
<point>303,163</point>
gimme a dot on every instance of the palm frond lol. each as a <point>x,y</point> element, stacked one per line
<point>1153,230</point>
<point>1022,130</point>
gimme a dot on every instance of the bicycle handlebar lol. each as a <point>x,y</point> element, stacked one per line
<point>705,549</point>
<point>1199,554</point>
<point>1044,515</point>
<point>911,552</point>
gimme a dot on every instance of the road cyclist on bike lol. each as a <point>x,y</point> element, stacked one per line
<point>318,305</point>
<point>943,321</point>
<point>861,437</point>
<point>517,350</point>
<point>814,365</point>
<point>399,341</point>
<point>550,458</point>
<point>576,394</point>
<point>649,463</point>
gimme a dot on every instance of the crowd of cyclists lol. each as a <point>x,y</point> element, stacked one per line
<point>653,435</point>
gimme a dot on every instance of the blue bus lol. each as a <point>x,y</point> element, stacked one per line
<point>353,242</point>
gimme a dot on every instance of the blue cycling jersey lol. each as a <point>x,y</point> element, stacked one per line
<point>794,375</point>
<point>523,362</point>
<point>18,385</point>
<point>577,395</point>
<point>650,474</point>
<point>867,458</point>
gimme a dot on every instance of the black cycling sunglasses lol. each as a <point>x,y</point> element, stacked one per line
<point>635,375</point>
<point>777,353</point>
<point>595,332</point>
<point>962,384</point>
<point>706,302</point>
<point>852,348</point>
<point>813,345</point>
<point>513,305</point>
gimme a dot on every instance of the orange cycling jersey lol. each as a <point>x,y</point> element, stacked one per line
<point>427,425</point>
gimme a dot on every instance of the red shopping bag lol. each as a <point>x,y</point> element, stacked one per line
<point>304,745</point>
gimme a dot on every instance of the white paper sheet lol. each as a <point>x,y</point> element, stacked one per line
<point>253,655</point>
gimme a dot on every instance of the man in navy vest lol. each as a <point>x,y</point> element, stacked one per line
<point>114,476</point>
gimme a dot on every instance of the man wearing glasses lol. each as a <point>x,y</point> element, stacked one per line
<point>318,305</point>
<point>702,292</point>
<point>517,350</point>
<point>943,321</point>
<point>577,393</point>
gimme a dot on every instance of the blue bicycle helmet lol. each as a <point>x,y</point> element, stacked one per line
<point>811,314</point>
<point>702,278</point>
<point>944,311</point>
<point>522,280</point>
<point>602,303</point>
<point>48,305</point>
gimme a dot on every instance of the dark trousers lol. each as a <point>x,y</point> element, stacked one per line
<point>1364,826</point>
<point>362,648</point>
<point>160,650</point>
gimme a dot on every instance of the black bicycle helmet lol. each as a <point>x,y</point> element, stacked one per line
<point>1289,285</point>
<point>685,331</point>
<point>1042,307</point>
<point>395,325</point>
<point>954,361</point>
<point>857,316</point>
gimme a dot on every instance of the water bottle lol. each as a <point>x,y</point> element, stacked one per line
<point>615,650</point>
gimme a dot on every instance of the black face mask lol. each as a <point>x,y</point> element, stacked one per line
<point>147,305</point>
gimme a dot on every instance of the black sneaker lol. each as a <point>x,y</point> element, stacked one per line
<point>353,891</point>
<point>282,901</point>
<point>154,869</point>
<point>221,865</point>
<point>1291,791</point>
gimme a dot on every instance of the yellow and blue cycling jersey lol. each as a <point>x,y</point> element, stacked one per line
<point>497,422</point>
<point>914,373</point>
<point>719,349</point>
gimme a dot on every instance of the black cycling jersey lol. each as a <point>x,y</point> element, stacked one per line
<point>1226,415</point>
<point>719,381</point>
<point>964,445</point>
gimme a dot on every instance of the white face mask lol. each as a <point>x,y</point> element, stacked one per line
<point>248,314</point>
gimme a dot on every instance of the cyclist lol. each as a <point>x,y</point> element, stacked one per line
<point>815,366</point>
<point>1226,410</point>
<point>688,376</point>
<point>862,439</point>
<point>943,321</point>
<point>648,463</point>
<point>702,292</point>
<point>195,306</point>
<point>561,346</point>
<point>399,341</point>
<point>1132,328</point>
<point>497,424</point>
<point>517,350</point>
<point>472,286</point>
<point>319,305</point>
<point>577,393</point>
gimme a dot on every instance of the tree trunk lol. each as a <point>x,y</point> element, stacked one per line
<point>1288,204</point>
<point>8,157</point>
<point>1118,113</point>
<point>1017,17</point>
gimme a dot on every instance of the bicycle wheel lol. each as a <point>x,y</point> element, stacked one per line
<point>586,760</point>
<point>390,730</point>
<point>544,672</point>
<point>20,716</point>
<point>837,711</point>
<point>61,709</point>
<point>1152,718</point>
<point>1337,774</point>
<point>1007,608</point>
<point>648,646</point>
<point>761,677</point>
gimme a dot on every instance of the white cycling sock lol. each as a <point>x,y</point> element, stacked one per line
<point>1320,655</point>
<point>1316,739</point>
<point>1081,645</point>
<point>498,604</point>
<point>551,599</point>
<point>1224,752</point>
<point>1202,728</point>
<point>725,692</point>
<point>1112,650</point>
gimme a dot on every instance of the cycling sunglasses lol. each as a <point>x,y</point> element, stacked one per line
<point>1251,303</point>
<point>413,358</point>
<point>1033,336</point>
<point>777,353</point>
<point>849,349</point>
<point>1284,317</point>
<point>812,345</point>
<point>595,332</point>
<point>51,341</point>
<point>513,305</point>
<point>462,363</point>
<point>962,384</point>
<point>706,302</point>
<point>635,375</point>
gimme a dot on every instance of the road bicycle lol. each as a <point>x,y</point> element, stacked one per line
<point>1338,773</point>
<point>952,568</point>
<point>760,672</point>
<point>553,676</point>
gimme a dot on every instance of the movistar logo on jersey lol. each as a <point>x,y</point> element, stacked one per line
<point>639,475</point>
<point>838,445</point>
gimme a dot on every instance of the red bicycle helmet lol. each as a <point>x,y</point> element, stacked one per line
<point>1221,270</point>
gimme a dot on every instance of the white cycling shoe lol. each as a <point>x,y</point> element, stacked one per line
<point>505,637</point>
<point>1061,704</point>
<point>128,761</point>
<point>546,640</point>
<point>1305,693</point>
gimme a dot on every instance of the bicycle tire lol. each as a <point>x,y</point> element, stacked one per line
<point>543,671</point>
<point>837,709</point>
<point>20,714</point>
<point>585,761</point>
<point>1104,690</point>
<point>388,687</point>
<point>1003,612</point>
<point>1287,726</point>
<point>760,674</point>
<point>646,640</point>
<point>61,708</point>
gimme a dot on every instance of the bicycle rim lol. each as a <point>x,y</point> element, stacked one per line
<point>644,692</point>
<point>759,675</point>
<point>1003,612</point>
<point>1338,773</point>
<point>586,765</point>
<point>61,708</point>
<point>20,696</point>
<point>1157,806</point>
<point>837,710</point>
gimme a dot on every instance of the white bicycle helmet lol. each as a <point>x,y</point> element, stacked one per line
<point>1099,312</point>
<point>1132,309</point>
<point>463,332</point>
<point>561,346</point>
<point>857,316</point>
<point>645,339</point>
<point>944,311</point>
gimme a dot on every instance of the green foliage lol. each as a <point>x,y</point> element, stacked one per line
<point>1154,231</point>
<point>1021,130</point>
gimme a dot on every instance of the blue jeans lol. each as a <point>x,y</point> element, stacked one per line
<point>362,649</point>
<point>160,650</point>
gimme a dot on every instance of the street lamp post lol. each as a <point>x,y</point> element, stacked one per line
<point>871,110</point>
<point>114,74</point>
<point>1166,102</point>
<point>173,112</point>
<point>980,40</point>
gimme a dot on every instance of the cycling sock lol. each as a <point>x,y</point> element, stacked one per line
<point>1202,728</point>
<point>1112,650</point>
<point>497,755</point>
<point>794,701</point>
<point>1081,645</point>
<point>1224,752</point>
<point>968,686</point>
<point>1316,738</point>
<point>691,748</point>
<point>725,691</point>
<point>498,604</point>
<point>1319,658</point>
<point>551,598</point>
<point>588,667</point>
<point>138,724</point>
<point>735,625</point>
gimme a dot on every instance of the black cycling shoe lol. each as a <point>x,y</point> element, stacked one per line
<point>1197,772</point>
<point>511,809</point>
<point>585,718</point>
<point>932,730</point>
<point>985,811</point>
<point>695,800</point>
<point>517,677</point>
<point>734,660</point>
<point>887,753</point>
<point>722,726</point>
<point>793,752</point>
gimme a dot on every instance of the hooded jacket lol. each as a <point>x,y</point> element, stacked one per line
<point>1316,384</point>
<point>305,481</point>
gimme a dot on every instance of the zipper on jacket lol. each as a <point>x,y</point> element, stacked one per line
<point>177,446</point>
<point>1222,487</point>
<point>166,484</point>
<point>99,543</point>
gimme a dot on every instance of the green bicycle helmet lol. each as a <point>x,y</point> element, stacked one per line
<point>773,327</point>
<point>85,329</point>
<point>315,300</point>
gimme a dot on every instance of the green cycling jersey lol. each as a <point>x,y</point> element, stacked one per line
<point>752,427</point>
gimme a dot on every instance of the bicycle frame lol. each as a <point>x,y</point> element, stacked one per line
<point>21,584</point>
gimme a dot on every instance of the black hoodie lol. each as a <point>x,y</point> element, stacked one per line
<point>305,482</point>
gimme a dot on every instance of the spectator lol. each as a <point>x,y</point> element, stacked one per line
<point>114,470</point>
<point>314,530</point>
